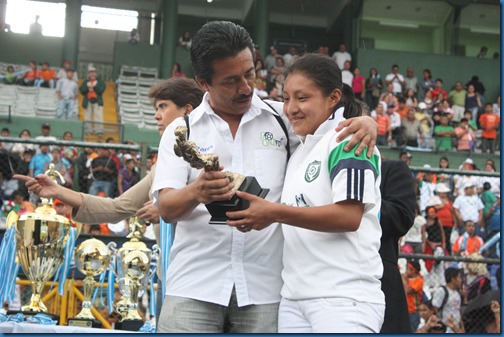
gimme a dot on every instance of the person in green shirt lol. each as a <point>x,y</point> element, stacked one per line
<point>443,134</point>
<point>457,100</point>
<point>488,198</point>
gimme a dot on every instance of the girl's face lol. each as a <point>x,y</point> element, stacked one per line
<point>443,163</point>
<point>67,136</point>
<point>428,94</point>
<point>489,168</point>
<point>410,93</point>
<point>470,88</point>
<point>424,311</point>
<point>426,75</point>
<point>356,72</point>
<point>306,105</point>
<point>373,71</point>
<point>25,134</point>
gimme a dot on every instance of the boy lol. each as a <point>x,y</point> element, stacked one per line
<point>413,287</point>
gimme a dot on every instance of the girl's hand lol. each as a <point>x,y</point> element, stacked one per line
<point>257,216</point>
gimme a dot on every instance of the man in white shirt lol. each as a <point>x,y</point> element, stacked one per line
<point>346,74</point>
<point>67,92</point>
<point>45,135</point>
<point>221,279</point>
<point>341,56</point>
<point>396,79</point>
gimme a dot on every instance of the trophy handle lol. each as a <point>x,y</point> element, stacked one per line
<point>112,262</point>
<point>154,260</point>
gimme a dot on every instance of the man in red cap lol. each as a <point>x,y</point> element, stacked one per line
<point>62,73</point>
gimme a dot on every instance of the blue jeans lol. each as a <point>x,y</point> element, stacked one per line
<point>66,104</point>
<point>182,315</point>
<point>101,186</point>
<point>414,321</point>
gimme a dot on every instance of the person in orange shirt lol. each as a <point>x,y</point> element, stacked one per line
<point>489,122</point>
<point>46,77</point>
<point>384,126</point>
<point>30,76</point>
<point>413,287</point>
<point>402,108</point>
<point>468,243</point>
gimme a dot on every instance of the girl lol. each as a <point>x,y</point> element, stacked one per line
<point>329,210</point>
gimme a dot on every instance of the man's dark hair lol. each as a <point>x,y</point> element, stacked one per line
<point>217,40</point>
<point>451,273</point>
<point>440,80</point>
<point>464,120</point>
<point>180,90</point>
<point>5,129</point>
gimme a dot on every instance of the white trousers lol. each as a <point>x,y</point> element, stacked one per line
<point>329,315</point>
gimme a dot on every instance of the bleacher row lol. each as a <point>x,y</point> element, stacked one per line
<point>133,103</point>
<point>29,101</point>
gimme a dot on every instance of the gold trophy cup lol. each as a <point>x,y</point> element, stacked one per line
<point>91,258</point>
<point>188,150</point>
<point>132,270</point>
<point>40,244</point>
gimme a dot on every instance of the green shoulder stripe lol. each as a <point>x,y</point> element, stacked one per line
<point>338,153</point>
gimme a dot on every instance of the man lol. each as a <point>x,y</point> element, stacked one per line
<point>66,88</point>
<point>395,124</point>
<point>412,130</point>
<point>490,123</point>
<point>451,292</point>
<point>346,74</point>
<point>405,157</point>
<point>438,89</point>
<point>62,73</point>
<point>411,81</point>
<point>443,134</point>
<point>469,242</point>
<point>220,279</point>
<point>104,173</point>
<point>457,97</point>
<point>45,134</point>
<point>469,207</point>
<point>396,79</point>
<point>290,56</point>
<point>36,27</point>
<point>92,89</point>
<point>397,216</point>
<point>341,56</point>
<point>422,115</point>
<point>413,287</point>
<point>6,146</point>
<point>270,60</point>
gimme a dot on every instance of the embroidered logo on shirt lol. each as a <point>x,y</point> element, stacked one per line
<point>267,139</point>
<point>312,171</point>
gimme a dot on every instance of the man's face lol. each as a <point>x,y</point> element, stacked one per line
<point>395,70</point>
<point>5,133</point>
<point>232,84</point>
<point>458,86</point>
<point>470,228</point>
<point>92,75</point>
<point>469,190</point>
<point>44,148</point>
<point>69,74</point>
<point>409,72</point>
<point>438,84</point>
<point>45,131</point>
<point>342,48</point>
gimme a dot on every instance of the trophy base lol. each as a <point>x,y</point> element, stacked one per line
<point>33,313</point>
<point>84,323</point>
<point>130,325</point>
<point>218,209</point>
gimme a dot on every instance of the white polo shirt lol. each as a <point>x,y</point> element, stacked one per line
<point>207,260</point>
<point>345,265</point>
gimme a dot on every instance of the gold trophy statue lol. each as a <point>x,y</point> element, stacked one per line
<point>188,150</point>
<point>40,242</point>
<point>92,258</point>
<point>132,270</point>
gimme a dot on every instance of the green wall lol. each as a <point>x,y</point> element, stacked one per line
<point>390,38</point>
<point>21,48</point>
<point>474,42</point>
<point>140,54</point>
<point>449,68</point>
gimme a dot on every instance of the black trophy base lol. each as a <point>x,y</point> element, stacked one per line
<point>130,325</point>
<point>85,323</point>
<point>33,313</point>
<point>218,209</point>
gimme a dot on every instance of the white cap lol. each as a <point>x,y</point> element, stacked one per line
<point>469,161</point>
<point>422,105</point>
<point>442,188</point>
<point>427,166</point>
<point>468,184</point>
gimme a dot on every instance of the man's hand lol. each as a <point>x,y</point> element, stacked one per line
<point>364,130</point>
<point>148,212</point>
<point>41,185</point>
<point>212,186</point>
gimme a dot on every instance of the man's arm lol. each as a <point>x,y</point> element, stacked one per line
<point>398,198</point>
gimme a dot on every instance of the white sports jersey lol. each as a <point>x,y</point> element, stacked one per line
<point>320,264</point>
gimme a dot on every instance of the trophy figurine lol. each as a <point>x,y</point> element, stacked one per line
<point>92,258</point>
<point>40,242</point>
<point>188,150</point>
<point>131,268</point>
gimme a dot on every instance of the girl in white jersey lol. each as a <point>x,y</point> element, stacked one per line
<point>329,211</point>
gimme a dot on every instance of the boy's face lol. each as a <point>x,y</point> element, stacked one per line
<point>5,133</point>
<point>470,228</point>
<point>488,108</point>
